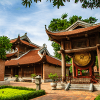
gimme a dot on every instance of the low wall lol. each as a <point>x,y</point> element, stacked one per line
<point>2,69</point>
<point>4,82</point>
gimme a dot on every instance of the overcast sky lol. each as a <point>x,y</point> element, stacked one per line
<point>16,19</point>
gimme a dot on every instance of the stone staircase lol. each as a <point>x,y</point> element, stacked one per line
<point>82,87</point>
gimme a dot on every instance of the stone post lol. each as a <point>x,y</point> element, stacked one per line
<point>2,69</point>
<point>38,82</point>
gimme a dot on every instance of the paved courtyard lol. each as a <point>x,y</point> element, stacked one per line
<point>58,94</point>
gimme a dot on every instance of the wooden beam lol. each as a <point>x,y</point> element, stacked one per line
<point>81,49</point>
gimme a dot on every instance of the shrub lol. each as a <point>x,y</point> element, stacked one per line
<point>31,93</point>
<point>97,98</point>
<point>33,75</point>
<point>53,76</point>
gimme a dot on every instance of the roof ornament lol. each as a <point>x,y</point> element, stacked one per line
<point>44,53</point>
<point>45,27</point>
<point>26,33</point>
<point>44,45</point>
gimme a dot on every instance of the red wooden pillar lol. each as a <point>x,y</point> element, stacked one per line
<point>76,72</point>
<point>90,71</point>
<point>98,54</point>
<point>63,63</point>
<point>80,72</point>
<point>21,72</point>
<point>73,68</point>
<point>11,72</point>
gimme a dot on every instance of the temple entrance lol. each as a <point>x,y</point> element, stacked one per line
<point>15,71</point>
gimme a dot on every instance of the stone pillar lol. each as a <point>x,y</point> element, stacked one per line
<point>11,72</point>
<point>2,69</point>
<point>73,73</point>
<point>98,54</point>
<point>63,63</point>
<point>38,82</point>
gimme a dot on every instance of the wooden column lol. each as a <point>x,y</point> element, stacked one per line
<point>34,69</point>
<point>73,73</point>
<point>21,72</point>
<point>63,63</point>
<point>90,71</point>
<point>11,72</point>
<point>80,72</point>
<point>98,54</point>
<point>76,72</point>
<point>42,70</point>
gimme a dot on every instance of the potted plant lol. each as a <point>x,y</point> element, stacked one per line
<point>17,79</point>
<point>54,78</point>
<point>33,77</point>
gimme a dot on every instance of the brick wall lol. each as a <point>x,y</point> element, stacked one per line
<point>2,69</point>
<point>47,69</point>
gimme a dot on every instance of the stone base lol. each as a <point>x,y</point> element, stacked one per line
<point>4,82</point>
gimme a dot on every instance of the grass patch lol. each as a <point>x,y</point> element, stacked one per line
<point>19,93</point>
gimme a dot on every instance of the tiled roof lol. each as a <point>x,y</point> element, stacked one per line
<point>24,42</point>
<point>55,61</point>
<point>9,55</point>
<point>33,57</point>
<point>30,57</point>
<point>76,31</point>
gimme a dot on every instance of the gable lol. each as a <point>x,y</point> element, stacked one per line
<point>78,24</point>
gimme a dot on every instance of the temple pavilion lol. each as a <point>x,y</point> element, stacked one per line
<point>81,42</point>
<point>26,58</point>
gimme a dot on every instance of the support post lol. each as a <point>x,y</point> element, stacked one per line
<point>63,68</point>
<point>11,72</point>
<point>98,54</point>
<point>73,68</point>
<point>80,72</point>
<point>21,72</point>
<point>63,62</point>
<point>76,72</point>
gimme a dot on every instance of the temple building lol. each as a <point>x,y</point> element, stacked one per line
<point>81,42</point>
<point>26,58</point>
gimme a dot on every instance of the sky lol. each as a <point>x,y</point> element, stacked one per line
<point>17,19</point>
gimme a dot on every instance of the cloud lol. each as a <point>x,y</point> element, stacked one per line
<point>32,20</point>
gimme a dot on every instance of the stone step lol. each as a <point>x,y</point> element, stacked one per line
<point>80,85</point>
<point>81,88</point>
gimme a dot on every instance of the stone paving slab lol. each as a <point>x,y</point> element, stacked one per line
<point>58,94</point>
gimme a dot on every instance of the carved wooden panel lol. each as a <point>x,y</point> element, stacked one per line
<point>67,45</point>
<point>80,43</point>
<point>92,41</point>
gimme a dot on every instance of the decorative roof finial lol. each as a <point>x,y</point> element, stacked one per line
<point>26,33</point>
<point>44,45</point>
<point>45,27</point>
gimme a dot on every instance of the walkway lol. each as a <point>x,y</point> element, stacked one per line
<point>58,94</point>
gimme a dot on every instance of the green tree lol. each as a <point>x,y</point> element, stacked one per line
<point>4,46</point>
<point>85,3</point>
<point>62,24</point>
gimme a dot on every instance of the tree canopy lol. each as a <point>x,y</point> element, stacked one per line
<point>85,3</point>
<point>4,46</point>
